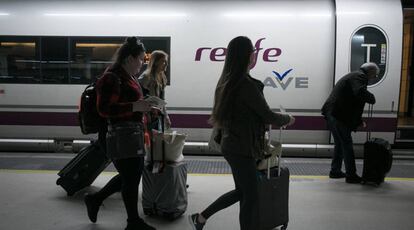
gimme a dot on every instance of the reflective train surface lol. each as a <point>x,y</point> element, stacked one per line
<point>50,50</point>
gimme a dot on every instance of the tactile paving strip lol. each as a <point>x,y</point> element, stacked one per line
<point>197,165</point>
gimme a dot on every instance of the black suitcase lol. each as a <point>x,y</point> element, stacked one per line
<point>274,195</point>
<point>274,200</point>
<point>83,169</point>
<point>377,158</point>
<point>377,161</point>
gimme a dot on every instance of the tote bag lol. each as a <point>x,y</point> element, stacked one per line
<point>174,145</point>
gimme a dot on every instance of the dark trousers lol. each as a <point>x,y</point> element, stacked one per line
<point>343,147</point>
<point>246,182</point>
<point>127,181</point>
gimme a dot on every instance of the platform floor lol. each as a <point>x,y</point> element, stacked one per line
<point>31,200</point>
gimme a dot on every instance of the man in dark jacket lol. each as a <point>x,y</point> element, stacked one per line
<point>343,113</point>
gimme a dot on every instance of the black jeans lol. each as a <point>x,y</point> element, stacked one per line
<point>246,182</point>
<point>343,147</point>
<point>127,181</point>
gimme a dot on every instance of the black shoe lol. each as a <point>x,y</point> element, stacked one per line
<point>195,224</point>
<point>336,175</point>
<point>354,179</point>
<point>138,225</point>
<point>92,206</point>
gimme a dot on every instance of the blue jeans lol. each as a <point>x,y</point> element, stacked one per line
<point>343,147</point>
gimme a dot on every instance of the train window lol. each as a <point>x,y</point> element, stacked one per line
<point>90,56</point>
<point>55,56</point>
<point>64,60</point>
<point>369,44</point>
<point>19,59</point>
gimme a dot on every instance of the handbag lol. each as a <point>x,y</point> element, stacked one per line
<point>173,144</point>
<point>214,142</point>
<point>125,140</point>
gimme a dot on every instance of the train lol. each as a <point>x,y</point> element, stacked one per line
<point>50,50</point>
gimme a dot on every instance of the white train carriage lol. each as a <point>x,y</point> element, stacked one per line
<point>49,51</point>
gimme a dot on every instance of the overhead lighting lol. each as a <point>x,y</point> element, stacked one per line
<point>256,15</point>
<point>78,15</point>
<point>317,15</point>
<point>4,14</point>
<point>92,45</point>
<point>28,44</point>
<point>154,15</point>
<point>140,15</point>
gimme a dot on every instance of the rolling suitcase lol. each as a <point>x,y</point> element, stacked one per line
<point>83,169</point>
<point>164,193</point>
<point>274,195</point>
<point>377,158</point>
<point>164,186</point>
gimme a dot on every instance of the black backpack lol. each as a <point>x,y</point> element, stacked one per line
<point>89,119</point>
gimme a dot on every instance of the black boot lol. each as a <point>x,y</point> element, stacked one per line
<point>92,206</point>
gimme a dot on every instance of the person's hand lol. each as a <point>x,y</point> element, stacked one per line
<point>167,122</point>
<point>364,125</point>
<point>141,106</point>
<point>291,120</point>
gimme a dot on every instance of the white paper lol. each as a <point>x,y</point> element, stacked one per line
<point>156,101</point>
<point>282,110</point>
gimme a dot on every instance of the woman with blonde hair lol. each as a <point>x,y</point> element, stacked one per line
<point>153,81</point>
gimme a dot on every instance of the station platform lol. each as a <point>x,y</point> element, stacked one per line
<point>30,199</point>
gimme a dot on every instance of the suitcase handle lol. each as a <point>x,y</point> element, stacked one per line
<point>279,157</point>
<point>370,114</point>
<point>161,119</point>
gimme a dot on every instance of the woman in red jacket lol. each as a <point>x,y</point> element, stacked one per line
<point>120,101</point>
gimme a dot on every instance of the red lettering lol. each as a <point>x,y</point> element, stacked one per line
<point>215,53</point>
<point>219,54</point>
<point>271,52</point>
<point>199,51</point>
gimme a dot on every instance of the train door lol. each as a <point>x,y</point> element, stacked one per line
<point>365,35</point>
<point>405,130</point>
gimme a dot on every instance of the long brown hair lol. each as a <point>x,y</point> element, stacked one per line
<point>153,64</point>
<point>234,71</point>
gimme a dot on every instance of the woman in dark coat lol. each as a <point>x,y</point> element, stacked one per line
<point>240,113</point>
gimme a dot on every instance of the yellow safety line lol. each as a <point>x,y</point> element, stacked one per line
<point>26,171</point>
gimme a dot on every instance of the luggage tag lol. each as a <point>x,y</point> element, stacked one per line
<point>156,167</point>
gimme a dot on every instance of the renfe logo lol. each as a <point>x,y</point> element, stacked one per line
<point>218,54</point>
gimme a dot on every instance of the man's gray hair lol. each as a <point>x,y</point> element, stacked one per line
<point>370,68</point>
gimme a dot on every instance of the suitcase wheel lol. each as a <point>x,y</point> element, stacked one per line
<point>284,227</point>
<point>148,212</point>
<point>59,181</point>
